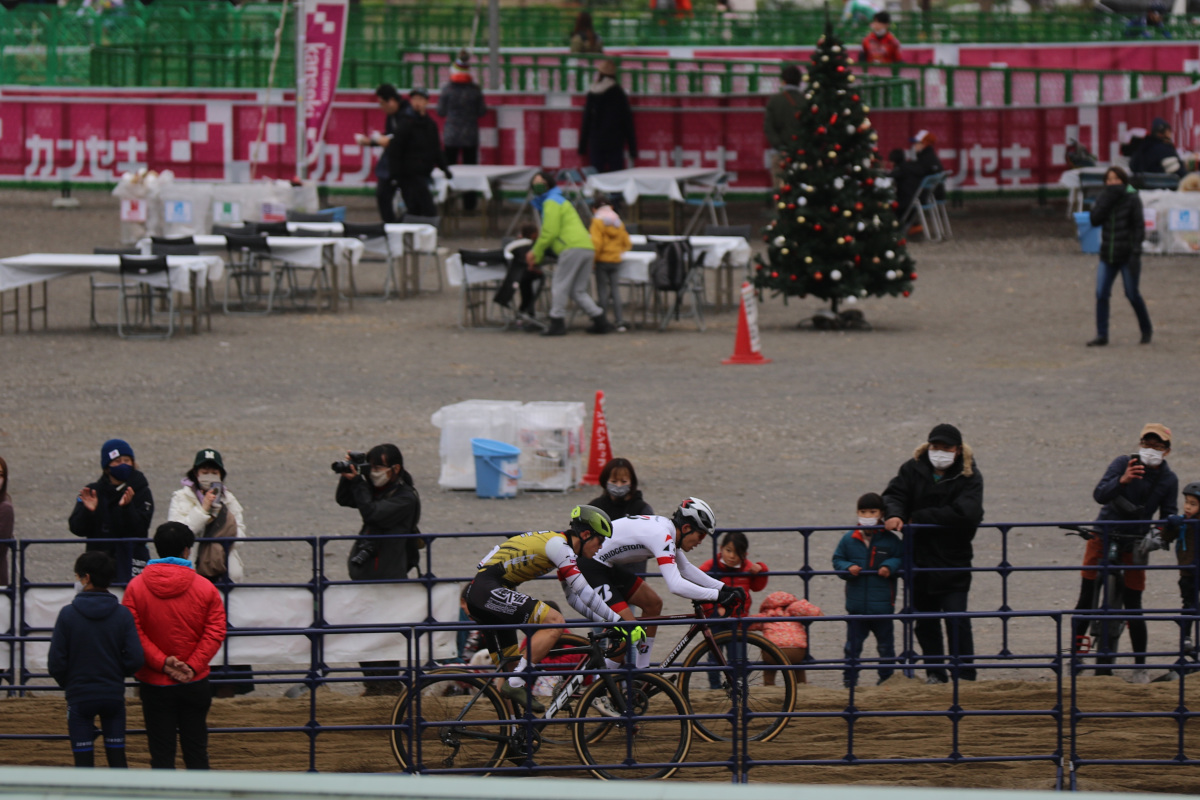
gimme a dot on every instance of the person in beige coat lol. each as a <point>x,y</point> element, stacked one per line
<point>211,511</point>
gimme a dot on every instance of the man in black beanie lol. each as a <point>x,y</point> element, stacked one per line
<point>940,489</point>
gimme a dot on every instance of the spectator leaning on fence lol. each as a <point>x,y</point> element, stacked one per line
<point>382,492</point>
<point>878,551</point>
<point>941,489</point>
<point>181,622</point>
<point>780,124</point>
<point>1134,487</point>
<point>563,233</point>
<point>6,524</point>
<point>1157,153</point>
<point>461,105</point>
<point>607,126</point>
<point>117,506</point>
<point>880,45</point>
<point>93,649</point>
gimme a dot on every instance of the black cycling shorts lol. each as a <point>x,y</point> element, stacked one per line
<point>492,603</point>
<point>613,583</point>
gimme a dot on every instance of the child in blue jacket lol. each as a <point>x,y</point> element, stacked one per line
<point>868,559</point>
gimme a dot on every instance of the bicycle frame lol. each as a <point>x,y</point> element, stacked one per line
<point>690,634</point>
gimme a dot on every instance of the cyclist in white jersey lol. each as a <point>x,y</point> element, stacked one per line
<point>633,540</point>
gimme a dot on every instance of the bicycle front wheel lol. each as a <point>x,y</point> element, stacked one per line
<point>750,665</point>
<point>648,743</point>
<point>450,723</point>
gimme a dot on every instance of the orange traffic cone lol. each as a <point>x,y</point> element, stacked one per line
<point>601,444</point>
<point>747,348</point>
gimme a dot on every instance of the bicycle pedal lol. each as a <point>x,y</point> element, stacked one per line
<point>604,705</point>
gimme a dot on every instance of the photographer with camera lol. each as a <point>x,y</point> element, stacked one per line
<point>377,484</point>
<point>1134,487</point>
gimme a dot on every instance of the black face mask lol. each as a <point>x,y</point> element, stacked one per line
<point>539,188</point>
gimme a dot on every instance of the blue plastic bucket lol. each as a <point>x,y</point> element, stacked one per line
<point>1089,237</point>
<point>497,468</point>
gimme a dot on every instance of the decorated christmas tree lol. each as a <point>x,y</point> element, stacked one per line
<point>837,236</point>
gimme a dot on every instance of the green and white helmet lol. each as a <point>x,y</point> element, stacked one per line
<point>590,518</point>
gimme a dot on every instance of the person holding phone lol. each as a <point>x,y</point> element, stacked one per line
<point>1134,487</point>
<point>117,506</point>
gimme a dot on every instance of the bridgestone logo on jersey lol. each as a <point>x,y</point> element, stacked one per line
<point>616,551</point>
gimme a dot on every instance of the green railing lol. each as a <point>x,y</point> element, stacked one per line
<point>45,44</point>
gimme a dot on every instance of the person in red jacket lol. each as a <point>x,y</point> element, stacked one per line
<point>881,45</point>
<point>733,567</point>
<point>181,622</point>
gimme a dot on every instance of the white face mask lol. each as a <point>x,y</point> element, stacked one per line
<point>381,477</point>
<point>78,587</point>
<point>1150,457</point>
<point>867,522</point>
<point>207,479</point>
<point>941,459</point>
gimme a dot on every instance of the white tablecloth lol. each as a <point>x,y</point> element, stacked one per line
<point>716,249</point>
<point>36,267</point>
<point>654,181</point>
<point>424,237</point>
<point>297,251</point>
<point>480,178</point>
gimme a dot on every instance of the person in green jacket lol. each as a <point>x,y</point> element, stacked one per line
<point>563,233</point>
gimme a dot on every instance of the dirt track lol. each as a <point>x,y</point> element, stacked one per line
<point>804,738</point>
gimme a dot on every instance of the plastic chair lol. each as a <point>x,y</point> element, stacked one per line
<point>136,273</point>
<point>248,264</point>
<point>712,198</point>
<point>479,273</point>
<point>373,232</point>
<point>271,228</point>
<point>571,183</point>
<point>923,209</point>
<point>943,215</point>
<point>106,286</point>
<point>436,222</point>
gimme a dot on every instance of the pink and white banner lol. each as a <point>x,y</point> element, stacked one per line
<point>324,45</point>
<point>95,135</point>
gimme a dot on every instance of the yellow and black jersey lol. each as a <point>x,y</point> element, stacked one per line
<point>528,556</point>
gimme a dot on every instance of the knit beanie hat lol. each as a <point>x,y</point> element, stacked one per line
<point>114,449</point>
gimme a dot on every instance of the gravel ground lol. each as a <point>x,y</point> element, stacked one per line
<point>992,340</point>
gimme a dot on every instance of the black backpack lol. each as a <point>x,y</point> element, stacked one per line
<point>670,268</point>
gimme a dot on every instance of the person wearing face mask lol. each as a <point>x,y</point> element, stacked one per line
<point>211,511</point>
<point>1134,487</point>
<point>1118,213</point>
<point>389,506</point>
<point>940,489</point>
<point>868,559</point>
<point>563,233</point>
<point>621,497</point>
<point>117,506</point>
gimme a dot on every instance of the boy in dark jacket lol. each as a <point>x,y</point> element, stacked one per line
<point>941,489</point>
<point>413,152</point>
<point>863,551</point>
<point>118,506</point>
<point>94,647</point>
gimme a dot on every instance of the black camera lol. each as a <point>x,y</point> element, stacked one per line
<point>366,551</point>
<point>356,461</point>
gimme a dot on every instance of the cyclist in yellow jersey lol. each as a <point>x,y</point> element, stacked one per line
<point>493,599</point>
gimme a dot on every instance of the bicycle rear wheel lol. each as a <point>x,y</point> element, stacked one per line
<point>442,740</point>
<point>615,748</point>
<point>759,656</point>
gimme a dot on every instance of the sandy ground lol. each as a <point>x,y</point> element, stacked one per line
<point>991,340</point>
<point>818,738</point>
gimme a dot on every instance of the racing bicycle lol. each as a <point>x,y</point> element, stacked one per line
<point>1109,593</point>
<point>624,725</point>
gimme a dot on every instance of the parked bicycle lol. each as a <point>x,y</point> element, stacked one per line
<point>627,725</point>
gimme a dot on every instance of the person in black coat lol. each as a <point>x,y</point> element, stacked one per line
<point>118,506</point>
<point>94,647</point>
<point>940,486</point>
<point>1118,213</point>
<point>395,107</point>
<point>607,125</point>
<point>621,497</point>
<point>1157,153</point>
<point>413,152</point>
<point>906,177</point>
<point>390,506</point>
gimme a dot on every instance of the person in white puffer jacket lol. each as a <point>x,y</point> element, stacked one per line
<point>211,511</point>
